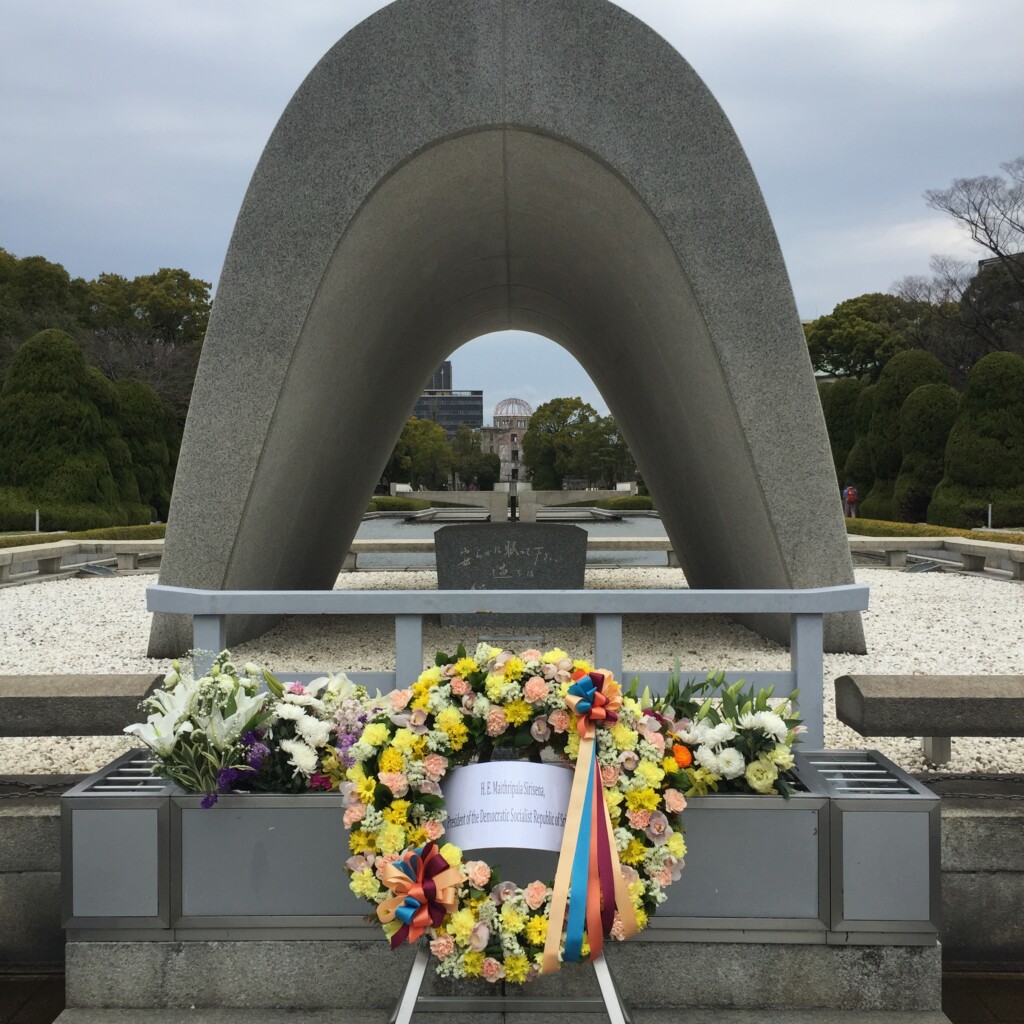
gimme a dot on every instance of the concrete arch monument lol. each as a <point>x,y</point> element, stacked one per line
<point>454,167</point>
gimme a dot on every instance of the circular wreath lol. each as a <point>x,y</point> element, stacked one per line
<point>458,712</point>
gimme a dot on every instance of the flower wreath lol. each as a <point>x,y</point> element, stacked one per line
<point>546,707</point>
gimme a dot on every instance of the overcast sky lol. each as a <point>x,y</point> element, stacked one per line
<point>129,130</point>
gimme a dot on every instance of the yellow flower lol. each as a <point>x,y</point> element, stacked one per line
<point>416,836</point>
<point>452,854</point>
<point>511,920</point>
<point>431,676</point>
<point>391,839</point>
<point>553,656</point>
<point>582,666</point>
<point>572,743</point>
<point>460,924</point>
<point>650,773</point>
<point>473,964</point>
<point>624,737</point>
<point>365,790</point>
<point>585,946</point>
<point>364,883</point>
<point>457,736</point>
<point>634,853</point>
<point>668,764</point>
<point>676,845</point>
<point>761,775</point>
<point>641,919</point>
<point>361,842</point>
<point>466,667</point>
<point>514,668</point>
<point>516,968</point>
<point>391,927</point>
<point>518,712</point>
<point>391,760</point>
<point>404,740</point>
<point>636,893</point>
<point>781,757</point>
<point>537,930</point>
<point>376,734</point>
<point>642,800</point>
<point>494,686</point>
<point>447,718</point>
<point>398,812</point>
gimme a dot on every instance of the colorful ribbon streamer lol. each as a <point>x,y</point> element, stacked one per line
<point>588,864</point>
<point>424,887</point>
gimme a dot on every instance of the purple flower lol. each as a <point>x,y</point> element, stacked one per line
<point>258,753</point>
<point>540,730</point>
<point>658,829</point>
<point>503,891</point>
<point>629,760</point>
<point>208,801</point>
<point>479,937</point>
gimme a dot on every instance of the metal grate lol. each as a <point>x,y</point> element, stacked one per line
<point>856,773</point>
<point>132,776</point>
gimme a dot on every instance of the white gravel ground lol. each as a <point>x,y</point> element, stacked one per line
<point>923,623</point>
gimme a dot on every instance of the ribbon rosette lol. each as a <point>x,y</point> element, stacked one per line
<point>424,886</point>
<point>588,863</point>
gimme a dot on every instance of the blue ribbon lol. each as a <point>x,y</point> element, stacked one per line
<point>585,689</point>
<point>580,872</point>
<point>407,911</point>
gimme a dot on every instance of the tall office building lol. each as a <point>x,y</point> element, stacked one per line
<point>449,409</point>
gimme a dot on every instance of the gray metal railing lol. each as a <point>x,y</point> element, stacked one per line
<point>210,610</point>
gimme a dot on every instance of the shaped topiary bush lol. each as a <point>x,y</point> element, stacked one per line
<point>926,419</point>
<point>839,404</point>
<point>857,468</point>
<point>985,451</point>
<point>904,373</point>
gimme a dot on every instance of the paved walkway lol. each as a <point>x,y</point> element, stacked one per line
<point>966,999</point>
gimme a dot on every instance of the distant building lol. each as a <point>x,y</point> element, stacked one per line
<point>450,409</point>
<point>505,438</point>
<point>441,379</point>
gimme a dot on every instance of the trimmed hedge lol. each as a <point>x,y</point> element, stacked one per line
<point>903,374</point>
<point>985,451</point>
<point>18,512</point>
<point>629,502</point>
<point>926,419</point>
<point>155,531</point>
<point>839,404</point>
<point>386,504</point>
<point>857,468</point>
<point>881,528</point>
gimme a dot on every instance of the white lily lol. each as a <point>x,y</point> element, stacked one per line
<point>225,732</point>
<point>160,733</point>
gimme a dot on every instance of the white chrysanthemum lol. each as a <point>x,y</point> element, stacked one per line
<point>288,712</point>
<point>707,758</point>
<point>301,755</point>
<point>719,734</point>
<point>773,725</point>
<point>732,763</point>
<point>313,731</point>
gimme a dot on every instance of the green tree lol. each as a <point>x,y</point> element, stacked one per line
<point>152,436</point>
<point>60,445</point>
<point>430,457</point>
<point>861,335</point>
<point>926,418</point>
<point>558,441</point>
<point>905,372</point>
<point>985,452</point>
<point>473,465</point>
<point>839,404</point>
<point>857,468</point>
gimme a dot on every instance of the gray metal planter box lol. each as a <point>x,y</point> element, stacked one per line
<point>841,861</point>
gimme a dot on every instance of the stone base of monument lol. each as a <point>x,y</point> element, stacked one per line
<point>828,900</point>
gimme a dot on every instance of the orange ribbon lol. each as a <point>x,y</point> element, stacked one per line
<point>599,704</point>
<point>424,886</point>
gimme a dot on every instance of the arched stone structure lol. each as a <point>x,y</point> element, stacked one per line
<point>454,167</point>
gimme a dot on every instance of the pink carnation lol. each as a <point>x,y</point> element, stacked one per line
<point>354,814</point>
<point>638,819</point>
<point>492,970</point>
<point>435,766</point>
<point>478,873</point>
<point>400,699</point>
<point>662,878</point>
<point>535,690</point>
<point>433,829</point>
<point>531,655</point>
<point>535,894</point>
<point>382,862</point>
<point>296,688</point>
<point>497,723</point>
<point>609,774</point>
<point>443,946</point>
<point>395,781</point>
<point>675,802</point>
<point>618,929</point>
<point>460,687</point>
<point>657,741</point>
<point>559,720</point>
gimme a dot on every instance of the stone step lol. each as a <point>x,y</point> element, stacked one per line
<point>71,705</point>
<point>79,1016</point>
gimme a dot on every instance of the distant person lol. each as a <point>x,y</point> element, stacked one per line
<point>850,499</point>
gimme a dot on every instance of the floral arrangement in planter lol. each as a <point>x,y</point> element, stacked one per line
<point>218,733</point>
